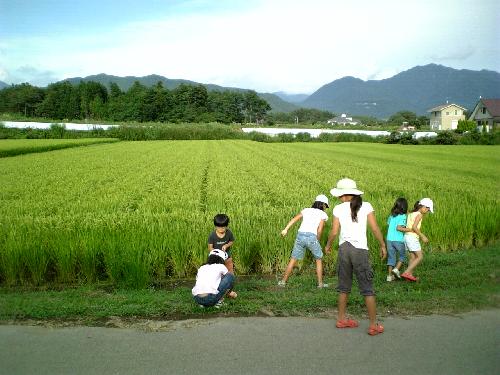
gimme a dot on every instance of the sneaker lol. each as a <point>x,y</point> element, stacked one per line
<point>390,278</point>
<point>323,285</point>
<point>281,283</point>
<point>219,304</point>
<point>202,306</point>
<point>395,271</point>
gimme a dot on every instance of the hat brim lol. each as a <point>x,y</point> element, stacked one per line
<point>339,192</point>
<point>220,253</point>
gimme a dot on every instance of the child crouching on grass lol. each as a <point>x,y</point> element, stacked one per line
<point>222,238</point>
<point>213,281</point>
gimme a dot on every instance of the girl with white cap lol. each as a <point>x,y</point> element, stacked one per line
<point>213,281</point>
<point>308,236</point>
<point>413,222</point>
<point>350,219</point>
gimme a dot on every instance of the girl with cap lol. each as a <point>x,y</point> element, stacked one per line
<point>350,219</point>
<point>414,221</point>
<point>213,281</point>
<point>308,236</point>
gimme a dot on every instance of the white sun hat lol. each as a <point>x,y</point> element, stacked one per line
<point>219,253</point>
<point>322,198</point>
<point>427,202</point>
<point>346,186</point>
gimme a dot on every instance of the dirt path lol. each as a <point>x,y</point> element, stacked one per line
<point>464,344</point>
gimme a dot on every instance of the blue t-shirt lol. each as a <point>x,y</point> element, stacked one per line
<point>393,234</point>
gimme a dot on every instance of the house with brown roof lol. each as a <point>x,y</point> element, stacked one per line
<point>446,116</point>
<point>486,114</point>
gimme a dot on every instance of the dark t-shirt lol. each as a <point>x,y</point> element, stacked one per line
<point>218,242</point>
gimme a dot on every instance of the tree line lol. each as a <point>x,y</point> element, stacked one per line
<point>93,101</point>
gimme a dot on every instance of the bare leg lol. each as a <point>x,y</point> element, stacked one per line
<point>418,256</point>
<point>289,269</point>
<point>371,306</point>
<point>229,265</point>
<point>342,306</point>
<point>398,265</point>
<point>410,262</point>
<point>319,271</point>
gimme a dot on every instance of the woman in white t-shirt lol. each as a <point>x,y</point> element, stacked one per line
<point>213,281</point>
<point>350,218</point>
<point>308,236</point>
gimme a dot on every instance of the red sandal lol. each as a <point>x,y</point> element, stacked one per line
<point>347,323</point>
<point>376,329</point>
<point>408,277</point>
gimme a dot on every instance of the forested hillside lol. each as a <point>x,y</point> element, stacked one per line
<point>125,83</point>
<point>93,101</point>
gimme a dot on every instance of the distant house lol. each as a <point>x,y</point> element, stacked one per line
<point>343,120</point>
<point>405,127</point>
<point>446,116</point>
<point>486,114</point>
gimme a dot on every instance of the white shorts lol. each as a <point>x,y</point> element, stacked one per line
<point>412,243</point>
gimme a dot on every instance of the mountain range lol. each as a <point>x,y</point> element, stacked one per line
<point>417,89</point>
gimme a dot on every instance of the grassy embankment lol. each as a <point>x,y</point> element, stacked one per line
<point>452,282</point>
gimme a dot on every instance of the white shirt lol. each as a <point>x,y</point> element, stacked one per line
<point>350,231</point>
<point>208,279</point>
<point>311,217</point>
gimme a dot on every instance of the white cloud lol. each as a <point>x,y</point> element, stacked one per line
<point>294,46</point>
<point>28,73</point>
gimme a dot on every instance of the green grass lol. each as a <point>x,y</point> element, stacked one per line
<point>13,147</point>
<point>450,283</point>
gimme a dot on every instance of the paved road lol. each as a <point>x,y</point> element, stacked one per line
<point>465,344</point>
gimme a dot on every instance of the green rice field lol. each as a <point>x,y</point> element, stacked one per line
<point>13,147</point>
<point>135,212</point>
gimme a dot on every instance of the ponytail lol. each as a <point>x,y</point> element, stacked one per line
<point>416,206</point>
<point>355,204</point>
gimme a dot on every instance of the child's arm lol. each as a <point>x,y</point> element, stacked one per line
<point>417,231</point>
<point>332,235</point>
<point>291,222</point>
<point>377,233</point>
<point>402,228</point>
<point>320,229</point>
<point>227,245</point>
<point>210,247</point>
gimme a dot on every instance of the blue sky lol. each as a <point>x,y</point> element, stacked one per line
<point>275,45</point>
